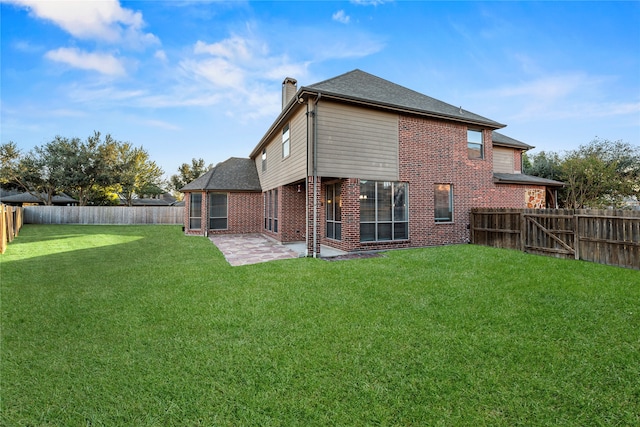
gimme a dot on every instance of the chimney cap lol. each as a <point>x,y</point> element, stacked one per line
<point>290,80</point>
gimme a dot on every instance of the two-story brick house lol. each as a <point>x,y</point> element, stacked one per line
<point>359,163</point>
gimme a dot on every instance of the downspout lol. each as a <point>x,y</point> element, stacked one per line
<point>315,175</point>
<point>204,218</point>
<point>306,189</point>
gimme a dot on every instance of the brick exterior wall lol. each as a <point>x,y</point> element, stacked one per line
<point>434,152</point>
<point>292,212</point>
<point>430,152</point>
<point>310,207</point>
<point>517,161</point>
<point>244,213</point>
<point>241,214</point>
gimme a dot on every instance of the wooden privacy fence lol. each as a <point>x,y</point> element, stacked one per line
<point>10,224</point>
<point>103,215</point>
<point>604,236</point>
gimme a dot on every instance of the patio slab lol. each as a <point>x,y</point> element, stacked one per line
<point>244,249</point>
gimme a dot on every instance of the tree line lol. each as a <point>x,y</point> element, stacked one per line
<point>96,171</point>
<point>599,174</point>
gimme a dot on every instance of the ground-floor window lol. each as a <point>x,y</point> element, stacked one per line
<point>333,203</point>
<point>383,211</point>
<point>218,211</point>
<point>271,210</point>
<point>443,202</point>
<point>195,211</point>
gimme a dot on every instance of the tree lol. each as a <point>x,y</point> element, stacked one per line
<point>95,171</point>
<point>543,164</point>
<point>40,172</point>
<point>136,174</point>
<point>187,173</point>
<point>599,174</point>
<point>602,173</point>
<point>82,165</point>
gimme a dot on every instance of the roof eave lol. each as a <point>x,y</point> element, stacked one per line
<point>519,147</point>
<point>393,107</point>
<point>548,183</point>
<point>285,113</point>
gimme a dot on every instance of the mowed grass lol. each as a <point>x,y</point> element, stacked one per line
<point>143,326</point>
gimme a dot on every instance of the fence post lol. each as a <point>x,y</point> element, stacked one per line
<point>576,235</point>
<point>523,228</point>
<point>3,229</point>
<point>472,224</point>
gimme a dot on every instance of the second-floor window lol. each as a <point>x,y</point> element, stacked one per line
<point>264,159</point>
<point>475,147</point>
<point>286,144</point>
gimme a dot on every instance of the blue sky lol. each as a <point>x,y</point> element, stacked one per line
<point>201,79</point>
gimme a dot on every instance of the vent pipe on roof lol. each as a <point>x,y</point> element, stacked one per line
<point>289,89</point>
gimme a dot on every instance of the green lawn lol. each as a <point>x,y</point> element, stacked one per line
<point>142,326</point>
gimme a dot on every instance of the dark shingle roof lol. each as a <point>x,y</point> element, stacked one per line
<point>520,178</point>
<point>30,198</point>
<point>234,174</point>
<point>362,86</point>
<point>505,141</point>
<point>150,202</point>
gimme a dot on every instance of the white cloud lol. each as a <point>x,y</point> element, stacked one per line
<point>243,64</point>
<point>161,55</point>
<point>341,17</point>
<point>160,124</point>
<point>217,71</point>
<point>234,48</point>
<point>100,62</point>
<point>370,2</point>
<point>102,20</point>
<point>549,88</point>
<point>26,46</point>
<point>558,97</point>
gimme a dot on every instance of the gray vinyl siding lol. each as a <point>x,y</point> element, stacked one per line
<point>292,168</point>
<point>357,143</point>
<point>503,160</point>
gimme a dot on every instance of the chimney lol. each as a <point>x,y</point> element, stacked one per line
<point>289,89</point>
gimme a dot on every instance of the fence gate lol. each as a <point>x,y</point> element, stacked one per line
<point>549,234</point>
<point>604,236</point>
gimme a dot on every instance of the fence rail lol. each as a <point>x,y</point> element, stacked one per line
<point>604,236</point>
<point>10,224</point>
<point>103,215</point>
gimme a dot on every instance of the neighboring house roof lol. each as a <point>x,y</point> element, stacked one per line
<point>165,199</point>
<point>358,85</point>
<point>30,198</point>
<point>150,202</point>
<point>520,178</point>
<point>234,174</point>
<point>505,141</point>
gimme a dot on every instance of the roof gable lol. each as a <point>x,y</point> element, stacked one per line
<point>234,174</point>
<point>362,86</point>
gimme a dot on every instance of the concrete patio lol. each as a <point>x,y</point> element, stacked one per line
<point>244,249</point>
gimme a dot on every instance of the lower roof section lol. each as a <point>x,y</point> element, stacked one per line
<point>520,178</point>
